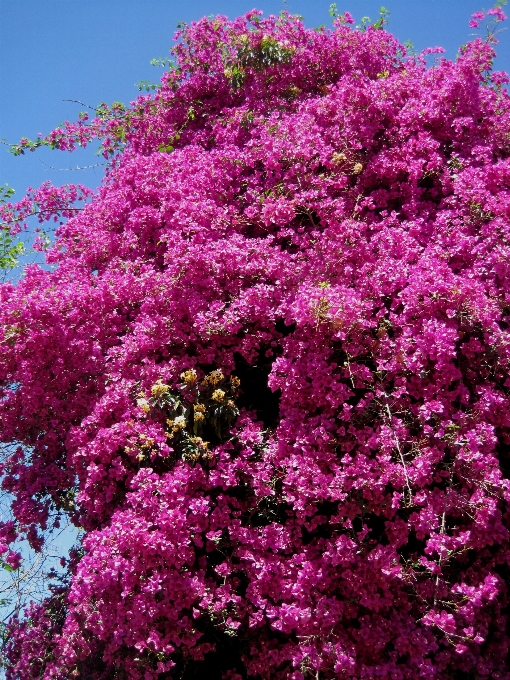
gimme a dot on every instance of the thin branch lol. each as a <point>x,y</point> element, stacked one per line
<point>77,101</point>
<point>41,212</point>
<point>443,529</point>
<point>397,444</point>
<point>436,586</point>
<point>84,167</point>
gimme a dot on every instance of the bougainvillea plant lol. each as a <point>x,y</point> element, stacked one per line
<point>268,373</point>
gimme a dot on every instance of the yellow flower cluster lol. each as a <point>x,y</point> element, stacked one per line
<point>338,158</point>
<point>177,424</point>
<point>146,444</point>
<point>159,389</point>
<point>201,451</point>
<point>213,378</point>
<point>189,377</point>
<point>143,404</point>
<point>199,442</point>
<point>179,428</point>
<point>199,410</point>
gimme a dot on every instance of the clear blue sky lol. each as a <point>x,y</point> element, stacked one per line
<point>96,50</point>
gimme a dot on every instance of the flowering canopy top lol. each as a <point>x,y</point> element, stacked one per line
<point>269,375</point>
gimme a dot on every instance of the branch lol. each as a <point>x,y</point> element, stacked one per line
<point>84,167</point>
<point>77,101</point>
<point>397,444</point>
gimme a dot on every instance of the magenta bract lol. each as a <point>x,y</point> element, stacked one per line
<point>270,373</point>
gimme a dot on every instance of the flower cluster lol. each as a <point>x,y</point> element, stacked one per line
<point>201,408</point>
<point>47,203</point>
<point>273,361</point>
<point>495,13</point>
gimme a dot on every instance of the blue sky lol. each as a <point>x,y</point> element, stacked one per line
<point>95,51</point>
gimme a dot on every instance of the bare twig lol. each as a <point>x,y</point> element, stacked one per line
<point>83,167</point>
<point>77,101</point>
<point>399,450</point>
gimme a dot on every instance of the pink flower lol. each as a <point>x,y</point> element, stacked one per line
<point>498,13</point>
<point>316,229</point>
<point>13,559</point>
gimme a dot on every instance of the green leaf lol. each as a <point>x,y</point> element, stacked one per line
<point>9,250</point>
<point>409,45</point>
<point>5,193</point>
<point>161,61</point>
<point>147,85</point>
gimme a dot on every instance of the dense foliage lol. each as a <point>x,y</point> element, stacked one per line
<point>269,371</point>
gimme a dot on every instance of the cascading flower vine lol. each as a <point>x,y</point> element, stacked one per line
<point>269,371</point>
